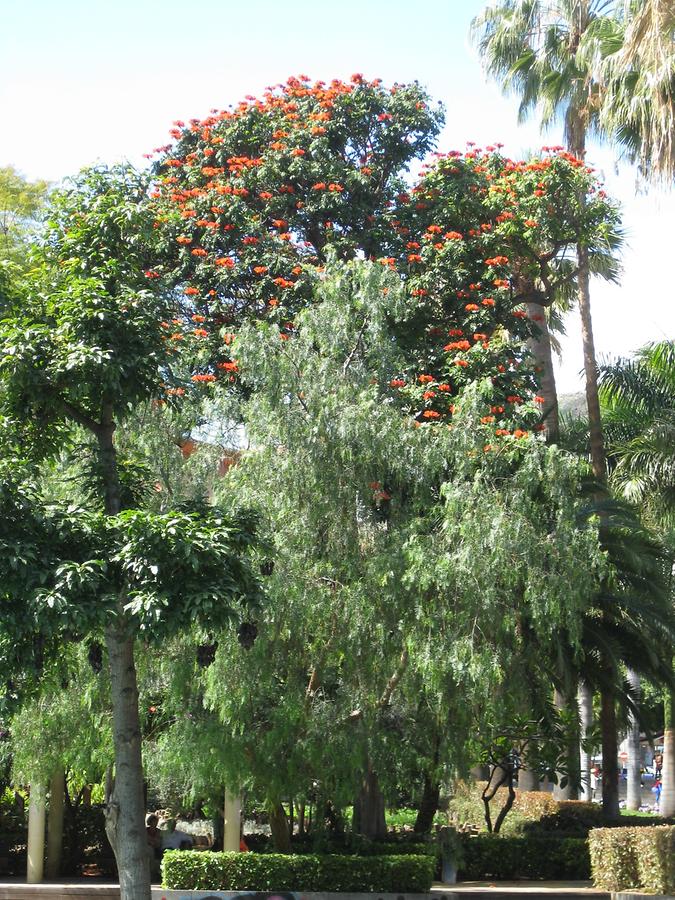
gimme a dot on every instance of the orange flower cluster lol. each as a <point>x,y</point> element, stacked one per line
<point>237,223</point>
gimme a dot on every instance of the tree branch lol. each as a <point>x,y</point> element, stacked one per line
<point>80,417</point>
<point>394,680</point>
<point>350,357</point>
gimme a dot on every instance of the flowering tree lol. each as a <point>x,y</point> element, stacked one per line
<point>251,202</point>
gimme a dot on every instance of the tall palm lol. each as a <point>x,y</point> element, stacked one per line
<point>638,397</point>
<point>543,51</point>
<point>638,108</point>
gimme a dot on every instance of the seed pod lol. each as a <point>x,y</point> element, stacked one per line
<point>206,653</point>
<point>247,634</point>
<point>95,656</point>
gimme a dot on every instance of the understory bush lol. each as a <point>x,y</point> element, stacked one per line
<point>85,844</point>
<point>539,857</point>
<point>537,813</point>
<point>633,858</point>
<point>190,870</point>
<point>466,807</point>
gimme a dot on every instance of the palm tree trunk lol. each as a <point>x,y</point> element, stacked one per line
<point>528,778</point>
<point>633,788</point>
<point>569,791</point>
<point>598,459</point>
<point>667,804</point>
<point>610,768</point>
<point>586,719</point>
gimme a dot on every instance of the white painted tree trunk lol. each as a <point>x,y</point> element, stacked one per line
<point>633,793</point>
<point>57,787</point>
<point>36,833</point>
<point>232,824</point>
<point>586,720</point>
<point>667,804</point>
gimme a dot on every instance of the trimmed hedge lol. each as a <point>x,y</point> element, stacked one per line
<point>349,843</point>
<point>536,857</point>
<point>633,858</point>
<point>191,870</point>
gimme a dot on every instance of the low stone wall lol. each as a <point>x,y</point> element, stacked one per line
<point>59,891</point>
<point>163,894</point>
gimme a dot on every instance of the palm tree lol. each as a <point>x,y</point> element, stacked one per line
<point>543,51</point>
<point>639,68</point>
<point>638,397</point>
<point>630,623</point>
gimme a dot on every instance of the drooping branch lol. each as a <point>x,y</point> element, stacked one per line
<point>392,684</point>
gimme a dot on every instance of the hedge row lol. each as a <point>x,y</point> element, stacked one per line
<point>536,857</point>
<point>409,845</point>
<point>191,870</point>
<point>628,858</point>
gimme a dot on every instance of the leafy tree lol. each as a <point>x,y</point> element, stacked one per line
<point>244,195</point>
<point>84,348</point>
<point>21,202</point>
<point>381,588</point>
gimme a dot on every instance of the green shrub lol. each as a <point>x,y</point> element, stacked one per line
<point>466,807</point>
<point>569,817</point>
<point>538,857</point>
<point>189,870</point>
<point>633,858</point>
<point>407,843</point>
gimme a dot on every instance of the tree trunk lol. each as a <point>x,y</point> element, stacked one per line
<point>369,819</point>
<point>125,811</point>
<point>57,787</point>
<point>218,824</point>
<point>428,805</point>
<point>569,791</point>
<point>301,818</point>
<point>36,834</point>
<point>528,779</point>
<point>232,822</point>
<point>540,347</point>
<point>598,459</point>
<point>667,804</point>
<point>281,835</point>
<point>125,807</point>
<point>586,717</point>
<point>633,787</point>
<point>610,768</point>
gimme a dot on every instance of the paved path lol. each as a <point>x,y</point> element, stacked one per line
<point>91,889</point>
<point>525,888</point>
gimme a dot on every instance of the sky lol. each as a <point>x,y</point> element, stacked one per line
<point>85,81</point>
